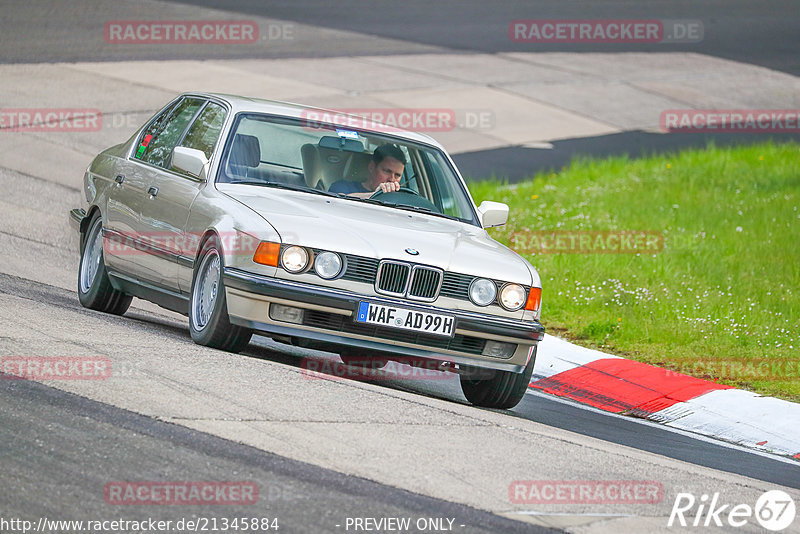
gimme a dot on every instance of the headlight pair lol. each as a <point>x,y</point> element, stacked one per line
<point>327,265</point>
<point>483,292</point>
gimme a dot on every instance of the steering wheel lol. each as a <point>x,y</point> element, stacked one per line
<point>407,197</point>
<point>401,190</point>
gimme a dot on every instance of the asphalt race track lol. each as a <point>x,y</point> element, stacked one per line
<point>61,448</point>
<point>323,451</point>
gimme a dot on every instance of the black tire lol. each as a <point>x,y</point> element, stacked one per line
<point>94,287</point>
<point>503,391</point>
<point>209,322</point>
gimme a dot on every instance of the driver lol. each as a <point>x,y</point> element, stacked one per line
<point>383,174</point>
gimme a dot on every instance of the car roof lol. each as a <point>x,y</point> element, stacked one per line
<point>288,109</point>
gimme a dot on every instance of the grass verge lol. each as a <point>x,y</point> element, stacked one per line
<point>703,276</point>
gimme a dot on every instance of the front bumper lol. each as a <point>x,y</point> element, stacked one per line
<point>77,217</point>
<point>249,296</point>
<point>77,221</point>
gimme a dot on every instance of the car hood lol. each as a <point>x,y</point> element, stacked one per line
<point>380,232</point>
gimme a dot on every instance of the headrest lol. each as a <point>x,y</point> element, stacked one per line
<point>245,151</point>
<point>355,169</point>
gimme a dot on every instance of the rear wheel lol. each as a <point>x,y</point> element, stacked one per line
<point>209,322</point>
<point>503,391</point>
<point>94,287</point>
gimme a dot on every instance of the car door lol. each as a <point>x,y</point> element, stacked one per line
<point>179,191</point>
<point>163,197</point>
<point>125,201</point>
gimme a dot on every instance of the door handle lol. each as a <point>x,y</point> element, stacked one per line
<point>152,191</point>
<point>119,179</point>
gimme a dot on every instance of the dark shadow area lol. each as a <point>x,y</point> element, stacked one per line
<point>658,440</point>
<point>516,164</point>
<point>740,30</point>
<point>44,405</point>
<point>732,29</point>
<point>98,445</point>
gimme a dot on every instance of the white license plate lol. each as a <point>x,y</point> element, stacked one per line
<point>429,323</point>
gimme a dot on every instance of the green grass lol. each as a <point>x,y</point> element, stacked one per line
<point>720,300</point>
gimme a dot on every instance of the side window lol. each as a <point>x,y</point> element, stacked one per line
<point>445,197</point>
<point>156,146</point>
<point>205,130</point>
<point>409,178</point>
<point>156,126</point>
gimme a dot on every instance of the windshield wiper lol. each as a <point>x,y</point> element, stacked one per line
<point>406,207</point>
<point>362,199</point>
<point>420,209</point>
<point>283,185</point>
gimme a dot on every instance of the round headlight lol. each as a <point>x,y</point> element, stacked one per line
<point>294,259</point>
<point>482,291</point>
<point>512,296</point>
<point>328,265</point>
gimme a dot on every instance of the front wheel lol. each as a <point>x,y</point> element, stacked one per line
<point>94,287</point>
<point>502,391</point>
<point>209,322</point>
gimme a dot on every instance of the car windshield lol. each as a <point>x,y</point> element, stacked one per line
<point>327,159</point>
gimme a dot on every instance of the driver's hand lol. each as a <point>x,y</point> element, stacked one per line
<point>388,187</point>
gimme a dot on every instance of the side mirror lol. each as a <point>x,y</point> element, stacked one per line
<point>493,213</point>
<point>189,160</point>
